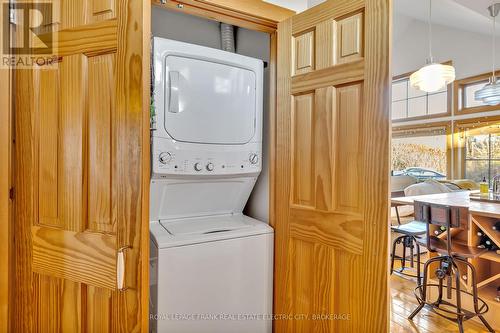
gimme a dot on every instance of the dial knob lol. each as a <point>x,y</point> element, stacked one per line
<point>253,158</point>
<point>165,157</point>
<point>210,167</point>
<point>197,166</point>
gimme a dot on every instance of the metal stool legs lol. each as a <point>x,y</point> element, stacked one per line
<point>411,243</point>
<point>423,287</point>
<point>448,269</point>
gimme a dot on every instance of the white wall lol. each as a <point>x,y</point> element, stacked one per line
<point>470,52</point>
<point>191,29</point>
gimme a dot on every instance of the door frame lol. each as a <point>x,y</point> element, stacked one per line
<point>6,230</point>
<point>6,218</point>
<point>146,157</point>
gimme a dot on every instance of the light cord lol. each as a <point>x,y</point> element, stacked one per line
<point>494,42</point>
<point>430,31</point>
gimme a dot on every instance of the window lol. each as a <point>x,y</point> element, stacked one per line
<point>408,102</point>
<point>468,100</point>
<point>420,153</point>
<point>464,96</point>
<point>482,155</point>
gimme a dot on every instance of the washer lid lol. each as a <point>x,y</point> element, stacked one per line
<point>179,232</point>
<point>205,226</point>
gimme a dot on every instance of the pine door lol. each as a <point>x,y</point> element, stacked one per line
<point>332,168</point>
<point>81,172</point>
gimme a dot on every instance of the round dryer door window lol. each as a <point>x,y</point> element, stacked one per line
<point>209,102</point>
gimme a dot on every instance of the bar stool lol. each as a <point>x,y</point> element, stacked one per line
<point>409,233</point>
<point>450,255</point>
<point>395,194</point>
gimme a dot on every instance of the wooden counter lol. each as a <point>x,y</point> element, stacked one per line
<point>482,216</point>
<point>460,198</point>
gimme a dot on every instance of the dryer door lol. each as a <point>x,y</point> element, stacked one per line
<point>209,102</point>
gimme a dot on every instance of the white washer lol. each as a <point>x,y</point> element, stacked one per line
<point>204,280</point>
<point>211,266</point>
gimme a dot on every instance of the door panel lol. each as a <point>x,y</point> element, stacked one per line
<point>82,175</point>
<point>332,167</point>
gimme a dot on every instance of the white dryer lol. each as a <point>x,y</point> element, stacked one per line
<point>211,266</point>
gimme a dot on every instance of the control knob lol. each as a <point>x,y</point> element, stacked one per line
<point>197,166</point>
<point>165,157</point>
<point>210,167</point>
<point>253,158</point>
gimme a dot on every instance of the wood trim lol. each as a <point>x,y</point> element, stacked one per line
<point>6,231</point>
<point>22,99</point>
<point>6,214</point>
<point>146,164</point>
<point>403,128</point>
<point>432,116</point>
<point>251,14</point>
<point>376,152</point>
<point>132,197</point>
<point>281,161</point>
<point>427,117</point>
<point>459,84</point>
<point>273,58</point>
<point>486,120</point>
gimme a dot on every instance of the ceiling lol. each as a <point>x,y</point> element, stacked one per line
<point>469,15</point>
<point>479,6</point>
<point>295,5</point>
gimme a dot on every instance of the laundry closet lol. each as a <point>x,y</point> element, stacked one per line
<point>211,246</point>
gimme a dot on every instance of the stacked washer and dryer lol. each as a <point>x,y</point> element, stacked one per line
<point>211,266</point>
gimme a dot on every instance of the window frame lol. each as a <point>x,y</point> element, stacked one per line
<point>459,144</point>
<point>426,129</point>
<point>489,160</point>
<point>459,96</point>
<point>449,99</point>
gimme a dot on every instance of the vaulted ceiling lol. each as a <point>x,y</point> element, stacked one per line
<point>469,15</point>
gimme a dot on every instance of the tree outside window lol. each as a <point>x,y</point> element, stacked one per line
<point>482,156</point>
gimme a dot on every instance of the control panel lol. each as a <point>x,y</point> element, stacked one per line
<point>170,158</point>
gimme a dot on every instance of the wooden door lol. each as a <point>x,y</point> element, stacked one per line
<point>81,173</point>
<point>332,167</point>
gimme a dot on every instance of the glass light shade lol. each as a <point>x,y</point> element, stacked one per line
<point>432,77</point>
<point>490,93</point>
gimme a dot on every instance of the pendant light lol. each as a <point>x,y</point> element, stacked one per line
<point>433,76</point>
<point>490,93</point>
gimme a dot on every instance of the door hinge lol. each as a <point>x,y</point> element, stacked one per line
<point>11,193</point>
